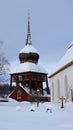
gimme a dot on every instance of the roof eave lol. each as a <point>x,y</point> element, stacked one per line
<point>61,69</point>
<point>27,72</point>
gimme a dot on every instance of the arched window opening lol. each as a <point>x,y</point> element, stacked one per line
<point>66,86</point>
<point>52,92</point>
<point>58,89</point>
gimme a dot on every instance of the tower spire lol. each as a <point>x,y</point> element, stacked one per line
<point>28,39</point>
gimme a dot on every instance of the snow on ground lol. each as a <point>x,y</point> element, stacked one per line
<point>18,116</point>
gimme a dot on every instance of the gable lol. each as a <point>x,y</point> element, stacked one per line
<point>19,94</point>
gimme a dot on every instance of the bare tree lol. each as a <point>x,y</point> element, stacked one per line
<point>4,68</point>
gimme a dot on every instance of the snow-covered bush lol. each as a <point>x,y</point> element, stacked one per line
<point>32,109</point>
<point>49,108</point>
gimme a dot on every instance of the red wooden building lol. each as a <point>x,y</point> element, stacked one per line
<point>29,74</point>
<point>19,94</point>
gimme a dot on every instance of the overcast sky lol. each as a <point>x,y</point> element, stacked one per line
<point>51,28</point>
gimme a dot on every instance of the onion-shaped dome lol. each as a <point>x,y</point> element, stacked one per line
<point>28,54</point>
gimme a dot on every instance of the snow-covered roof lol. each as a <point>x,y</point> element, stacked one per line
<point>28,67</point>
<point>28,49</point>
<point>65,60</point>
